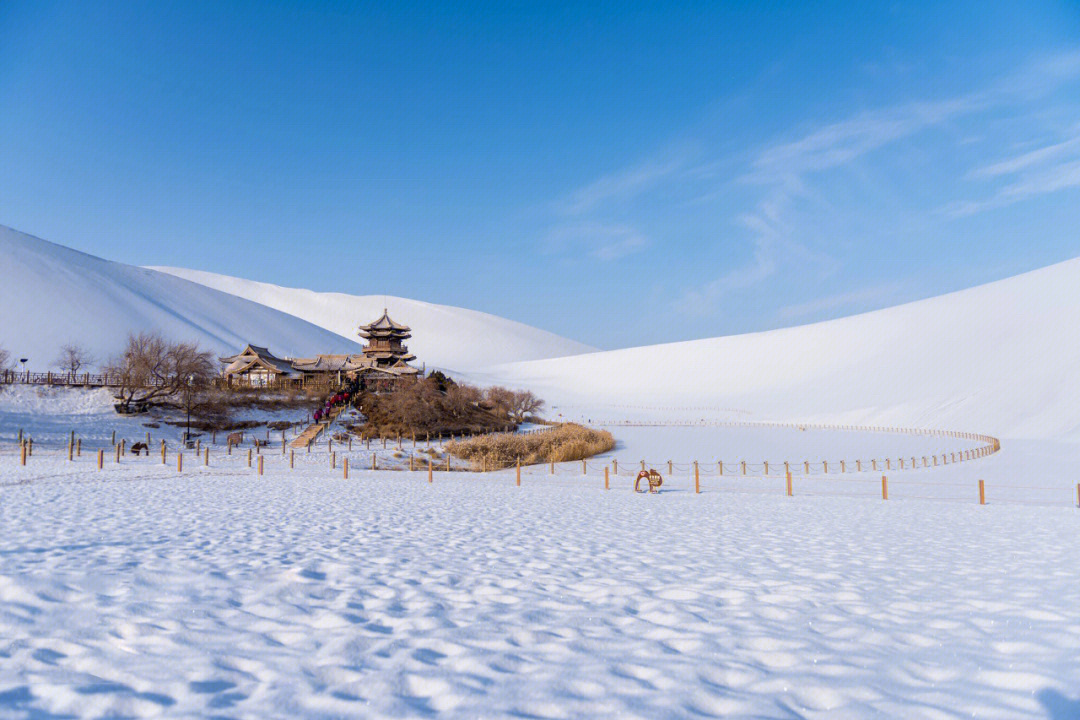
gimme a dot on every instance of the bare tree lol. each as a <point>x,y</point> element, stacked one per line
<point>151,367</point>
<point>500,399</point>
<point>73,358</point>
<point>416,404</point>
<point>5,360</point>
<point>459,399</point>
<point>523,404</point>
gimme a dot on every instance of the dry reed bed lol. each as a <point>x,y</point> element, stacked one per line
<point>561,444</point>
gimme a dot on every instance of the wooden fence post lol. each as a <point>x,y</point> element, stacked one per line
<point>429,468</point>
<point>180,461</point>
<point>100,459</point>
<point>607,483</point>
<point>720,468</point>
<point>744,467</point>
<point>292,457</point>
<point>249,457</point>
<point>766,473</point>
<point>260,465</point>
<point>806,467</point>
<point>789,488</point>
<point>615,466</point>
<point>825,465</point>
<point>887,463</point>
<point>345,467</point>
<point>78,448</point>
<point>843,466</point>
<point>22,454</point>
<point>447,462</point>
<point>206,456</point>
<point>697,478</point>
<point>982,493</point>
<point>858,466</point>
<point>117,453</point>
<point>333,461</point>
<point>553,466</point>
<point>517,479</point>
<point>884,488</point>
<point>71,451</point>
<point>373,462</point>
<point>411,464</point>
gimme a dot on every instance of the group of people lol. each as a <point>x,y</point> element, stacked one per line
<point>341,398</point>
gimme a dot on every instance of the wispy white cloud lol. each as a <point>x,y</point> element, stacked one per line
<point>842,142</point>
<point>1028,159</point>
<point>1045,170</point>
<point>1043,181</point>
<point>871,295</point>
<point>603,241</point>
<point>622,185</point>
<point>788,167</point>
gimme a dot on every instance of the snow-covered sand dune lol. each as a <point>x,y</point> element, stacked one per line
<point>443,336</point>
<point>999,359</point>
<point>52,295</point>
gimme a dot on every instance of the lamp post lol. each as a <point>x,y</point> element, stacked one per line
<point>187,433</point>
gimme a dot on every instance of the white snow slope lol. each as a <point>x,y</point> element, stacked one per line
<point>52,295</point>
<point>1001,359</point>
<point>443,336</point>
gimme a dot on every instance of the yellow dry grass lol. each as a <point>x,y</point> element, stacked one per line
<point>561,444</point>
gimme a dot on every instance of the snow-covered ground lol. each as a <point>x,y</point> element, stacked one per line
<point>138,592</point>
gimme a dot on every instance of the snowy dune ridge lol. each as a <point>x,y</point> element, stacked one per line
<point>999,359</point>
<point>443,336</point>
<point>53,295</point>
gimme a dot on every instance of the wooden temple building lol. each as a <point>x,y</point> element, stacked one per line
<point>383,363</point>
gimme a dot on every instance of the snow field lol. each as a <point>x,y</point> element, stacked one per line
<point>220,593</point>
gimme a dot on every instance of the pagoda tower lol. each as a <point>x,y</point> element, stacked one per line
<point>386,342</point>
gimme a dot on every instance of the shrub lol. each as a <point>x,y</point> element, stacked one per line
<point>564,443</point>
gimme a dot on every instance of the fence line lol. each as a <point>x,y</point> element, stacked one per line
<point>200,462</point>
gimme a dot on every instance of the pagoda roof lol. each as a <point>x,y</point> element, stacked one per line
<point>384,325</point>
<point>253,355</point>
<point>332,363</point>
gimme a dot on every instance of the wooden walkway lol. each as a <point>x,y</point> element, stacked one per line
<point>312,432</point>
<point>308,436</point>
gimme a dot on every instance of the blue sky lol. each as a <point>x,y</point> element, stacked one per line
<point>620,173</point>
